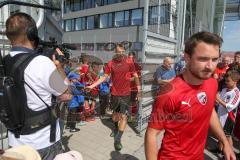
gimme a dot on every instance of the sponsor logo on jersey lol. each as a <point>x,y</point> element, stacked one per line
<point>202,98</point>
<point>186,103</point>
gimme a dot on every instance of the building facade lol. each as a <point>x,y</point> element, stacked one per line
<point>91,24</point>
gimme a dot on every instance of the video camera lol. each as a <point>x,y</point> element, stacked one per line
<point>48,48</point>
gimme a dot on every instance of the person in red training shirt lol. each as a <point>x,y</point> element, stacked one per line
<point>91,77</point>
<point>221,68</point>
<point>133,86</point>
<point>184,107</point>
<point>120,68</point>
<point>83,69</point>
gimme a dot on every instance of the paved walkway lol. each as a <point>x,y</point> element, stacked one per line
<point>94,142</point>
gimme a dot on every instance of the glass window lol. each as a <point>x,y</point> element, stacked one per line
<point>164,12</point>
<point>90,22</point>
<point>137,17</point>
<point>83,22</point>
<point>119,19</point>
<point>96,21</point>
<point>68,25</point>
<point>112,1</point>
<point>78,24</point>
<point>67,7</point>
<point>93,3</point>
<point>110,19</point>
<point>76,5</point>
<point>104,2</point>
<point>82,4</point>
<point>153,16</point>
<point>85,4</point>
<point>72,25</point>
<point>98,3</point>
<point>103,21</point>
<point>126,18</point>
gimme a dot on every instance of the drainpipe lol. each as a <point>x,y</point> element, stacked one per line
<point>41,14</point>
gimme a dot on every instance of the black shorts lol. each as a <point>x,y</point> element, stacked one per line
<point>228,127</point>
<point>121,104</point>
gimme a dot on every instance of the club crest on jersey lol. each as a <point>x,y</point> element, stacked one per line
<point>202,98</point>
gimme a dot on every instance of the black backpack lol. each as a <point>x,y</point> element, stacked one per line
<point>14,111</point>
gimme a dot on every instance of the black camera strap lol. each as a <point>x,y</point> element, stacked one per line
<point>53,116</point>
<point>26,59</point>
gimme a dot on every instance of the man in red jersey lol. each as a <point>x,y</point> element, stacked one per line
<point>184,108</point>
<point>120,68</point>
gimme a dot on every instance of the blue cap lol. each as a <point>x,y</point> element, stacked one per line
<point>73,76</point>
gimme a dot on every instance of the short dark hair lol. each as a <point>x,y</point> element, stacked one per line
<point>18,24</point>
<point>95,64</point>
<point>233,74</point>
<point>132,53</point>
<point>237,53</point>
<point>206,37</point>
<point>120,45</point>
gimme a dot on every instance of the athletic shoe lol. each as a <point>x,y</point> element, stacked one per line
<point>113,133</point>
<point>117,145</point>
<point>74,130</point>
<point>82,123</point>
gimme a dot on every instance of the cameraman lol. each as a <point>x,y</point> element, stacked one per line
<point>46,77</point>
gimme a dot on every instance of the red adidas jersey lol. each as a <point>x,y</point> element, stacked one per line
<point>120,71</point>
<point>184,112</point>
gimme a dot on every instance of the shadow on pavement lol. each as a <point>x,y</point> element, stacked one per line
<point>133,126</point>
<point>65,141</point>
<point>107,122</point>
<point>115,155</point>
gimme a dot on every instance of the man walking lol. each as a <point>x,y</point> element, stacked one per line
<point>120,68</point>
<point>184,108</point>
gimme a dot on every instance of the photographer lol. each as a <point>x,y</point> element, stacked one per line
<point>44,76</point>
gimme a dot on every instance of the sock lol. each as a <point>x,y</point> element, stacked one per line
<point>118,136</point>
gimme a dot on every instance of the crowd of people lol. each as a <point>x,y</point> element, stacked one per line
<point>192,96</point>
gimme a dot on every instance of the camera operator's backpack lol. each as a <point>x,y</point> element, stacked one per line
<point>14,111</point>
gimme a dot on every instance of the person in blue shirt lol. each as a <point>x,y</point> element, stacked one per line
<point>165,73</point>
<point>76,102</point>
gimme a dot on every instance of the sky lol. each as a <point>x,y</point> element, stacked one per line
<point>231,36</point>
